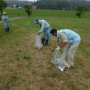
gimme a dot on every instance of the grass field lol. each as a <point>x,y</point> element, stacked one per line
<point>45,13</point>
<point>24,68</point>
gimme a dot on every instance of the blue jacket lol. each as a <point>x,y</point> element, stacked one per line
<point>5,19</point>
<point>72,37</point>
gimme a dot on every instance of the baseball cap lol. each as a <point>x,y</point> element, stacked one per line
<point>36,20</point>
<point>4,12</point>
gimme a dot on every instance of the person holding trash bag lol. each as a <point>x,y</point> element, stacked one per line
<point>6,21</point>
<point>71,40</point>
<point>46,28</point>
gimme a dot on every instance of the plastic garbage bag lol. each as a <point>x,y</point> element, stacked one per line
<point>58,61</point>
<point>38,44</point>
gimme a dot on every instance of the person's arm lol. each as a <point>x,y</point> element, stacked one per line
<point>3,18</point>
<point>42,27</point>
<point>7,18</point>
<point>62,44</point>
<point>64,40</point>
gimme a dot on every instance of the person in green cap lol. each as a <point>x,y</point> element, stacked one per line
<point>6,21</point>
<point>45,28</point>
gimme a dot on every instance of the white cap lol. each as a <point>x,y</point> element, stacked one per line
<point>4,12</point>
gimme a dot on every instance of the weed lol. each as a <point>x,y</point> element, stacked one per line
<point>33,72</point>
<point>25,57</point>
<point>28,65</point>
<point>23,80</point>
<point>13,78</point>
<point>19,50</point>
<point>17,58</point>
<point>73,67</point>
<point>74,86</point>
<point>7,84</point>
<point>86,86</point>
<point>50,74</point>
<point>4,65</point>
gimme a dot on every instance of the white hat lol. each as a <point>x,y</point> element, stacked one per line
<point>4,12</point>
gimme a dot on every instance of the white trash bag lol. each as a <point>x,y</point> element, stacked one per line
<point>58,61</point>
<point>38,44</point>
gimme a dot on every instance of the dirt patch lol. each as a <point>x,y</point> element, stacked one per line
<point>36,72</point>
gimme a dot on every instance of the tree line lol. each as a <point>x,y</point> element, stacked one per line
<point>51,4</point>
<point>60,4</point>
<point>10,3</point>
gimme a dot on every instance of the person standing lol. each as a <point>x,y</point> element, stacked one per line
<point>45,28</point>
<point>6,21</point>
<point>69,38</point>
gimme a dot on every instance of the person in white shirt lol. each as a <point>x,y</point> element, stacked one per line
<point>45,28</point>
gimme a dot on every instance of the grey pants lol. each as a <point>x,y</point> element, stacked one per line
<point>69,52</point>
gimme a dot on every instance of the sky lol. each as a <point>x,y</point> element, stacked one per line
<point>27,0</point>
<point>36,0</point>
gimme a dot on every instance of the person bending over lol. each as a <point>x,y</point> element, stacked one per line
<point>45,28</point>
<point>70,40</point>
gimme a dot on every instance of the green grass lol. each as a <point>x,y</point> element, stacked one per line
<point>22,67</point>
<point>14,12</point>
<point>45,13</point>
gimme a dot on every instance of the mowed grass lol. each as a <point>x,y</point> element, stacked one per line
<point>22,67</point>
<point>38,13</point>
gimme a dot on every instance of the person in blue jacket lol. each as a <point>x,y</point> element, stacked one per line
<point>69,38</point>
<point>6,21</point>
<point>45,28</point>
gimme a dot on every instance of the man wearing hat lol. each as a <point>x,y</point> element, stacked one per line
<point>45,27</point>
<point>6,21</point>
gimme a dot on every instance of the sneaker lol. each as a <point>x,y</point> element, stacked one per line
<point>67,65</point>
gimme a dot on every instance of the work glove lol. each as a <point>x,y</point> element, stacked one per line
<point>38,33</point>
<point>58,48</point>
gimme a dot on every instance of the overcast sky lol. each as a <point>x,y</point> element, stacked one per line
<point>36,0</point>
<point>27,0</point>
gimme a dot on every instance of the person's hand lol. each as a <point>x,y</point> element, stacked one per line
<point>38,33</point>
<point>58,48</point>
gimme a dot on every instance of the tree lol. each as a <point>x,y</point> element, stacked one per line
<point>81,9</point>
<point>3,5</point>
<point>28,9</point>
<point>17,6</point>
